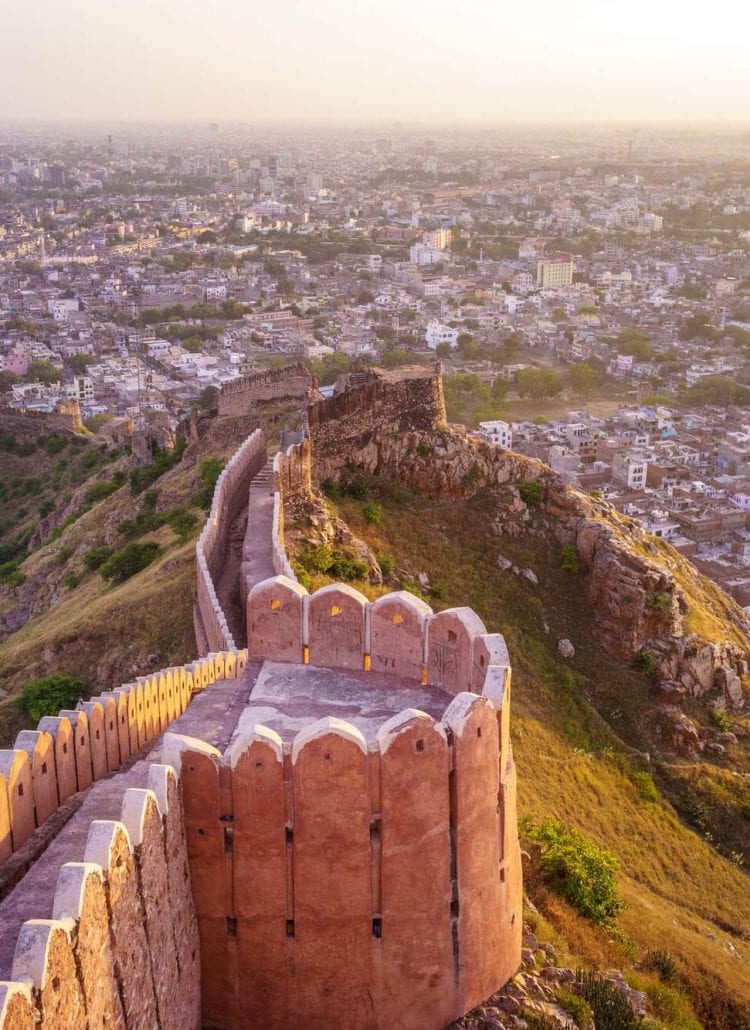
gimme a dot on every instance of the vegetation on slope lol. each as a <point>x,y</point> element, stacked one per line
<point>579,728</point>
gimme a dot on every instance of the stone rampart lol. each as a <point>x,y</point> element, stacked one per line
<point>120,946</point>
<point>230,497</point>
<point>239,397</point>
<point>386,403</point>
<point>67,419</point>
<point>345,881</point>
<point>68,752</point>
<point>292,475</point>
<point>398,634</point>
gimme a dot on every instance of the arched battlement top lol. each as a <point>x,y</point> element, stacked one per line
<point>106,837</point>
<point>332,590</point>
<point>137,804</point>
<point>419,607</point>
<point>329,726</point>
<point>404,721</point>
<point>467,617</point>
<point>70,892</point>
<point>277,583</point>
<point>175,745</point>
<point>460,710</point>
<point>254,733</point>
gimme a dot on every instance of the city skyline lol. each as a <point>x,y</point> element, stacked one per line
<point>578,63</point>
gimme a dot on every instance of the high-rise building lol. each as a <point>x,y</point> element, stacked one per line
<point>555,272</point>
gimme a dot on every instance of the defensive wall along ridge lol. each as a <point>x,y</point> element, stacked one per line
<point>327,831</point>
<point>97,923</point>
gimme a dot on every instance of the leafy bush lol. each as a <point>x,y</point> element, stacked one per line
<point>182,522</point>
<point>97,556</point>
<point>373,513</point>
<point>532,492</point>
<point>55,444</point>
<point>610,1008</point>
<point>63,554</point>
<point>424,449</point>
<point>569,558</point>
<point>659,604</point>
<point>346,567</point>
<point>643,661</point>
<point>71,580</point>
<point>722,720</point>
<point>10,574</point>
<point>386,562</point>
<point>339,564</point>
<point>143,476</point>
<point>47,696</point>
<point>210,470</point>
<point>133,558</point>
<point>578,869</point>
<point>661,962</point>
<point>644,784</point>
<point>577,1008</point>
<point>98,491</point>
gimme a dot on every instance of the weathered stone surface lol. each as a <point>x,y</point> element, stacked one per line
<point>565,648</point>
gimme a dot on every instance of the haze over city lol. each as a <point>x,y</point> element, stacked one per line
<point>587,60</point>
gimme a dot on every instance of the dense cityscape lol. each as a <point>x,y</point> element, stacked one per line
<point>587,291</point>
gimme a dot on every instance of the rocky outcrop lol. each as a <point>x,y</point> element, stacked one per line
<point>633,596</point>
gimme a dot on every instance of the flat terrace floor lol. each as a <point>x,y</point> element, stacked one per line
<point>286,698</point>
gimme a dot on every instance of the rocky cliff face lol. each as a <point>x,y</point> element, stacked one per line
<point>635,586</point>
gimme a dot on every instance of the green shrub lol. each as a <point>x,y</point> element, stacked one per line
<point>532,492</point>
<point>182,522</point>
<point>424,449</point>
<point>373,513</point>
<point>331,489</point>
<point>142,477</point>
<point>662,963</point>
<point>577,1008</point>
<point>303,576</point>
<point>98,491</point>
<point>722,720</point>
<point>610,1008</point>
<point>71,580</point>
<point>644,784</point>
<point>63,554</point>
<point>55,444</point>
<point>97,556</point>
<point>569,558</point>
<point>659,604</point>
<point>386,562</point>
<point>578,869</point>
<point>210,469</point>
<point>346,567</point>
<point>150,499</point>
<point>144,522</point>
<point>47,696</point>
<point>643,661</point>
<point>133,558</point>
<point>339,564</point>
<point>10,574</point>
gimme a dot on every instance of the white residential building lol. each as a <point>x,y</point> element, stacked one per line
<point>497,432</point>
<point>555,272</point>
<point>438,333</point>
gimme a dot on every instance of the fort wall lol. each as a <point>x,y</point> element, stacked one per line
<point>120,946</point>
<point>385,403</point>
<point>68,752</point>
<point>239,397</point>
<point>230,497</point>
<point>25,424</point>
<point>349,882</point>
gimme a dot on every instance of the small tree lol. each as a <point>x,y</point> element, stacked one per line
<point>49,695</point>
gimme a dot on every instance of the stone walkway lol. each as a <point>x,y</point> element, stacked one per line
<point>210,716</point>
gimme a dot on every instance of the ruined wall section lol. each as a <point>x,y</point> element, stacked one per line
<point>240,397</point>
<point>386,404</point>
<point>338,882</point>
<point>120,946</point>
<point>68,752</point>
<point>292,484</point>
<point>32,424</point>
<point>230,497</point>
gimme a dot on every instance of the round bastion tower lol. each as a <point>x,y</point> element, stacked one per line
<point>353,849</point>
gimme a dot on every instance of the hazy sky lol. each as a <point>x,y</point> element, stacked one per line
<point>541,60</point>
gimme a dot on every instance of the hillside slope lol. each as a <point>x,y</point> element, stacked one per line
<point>587,727</point>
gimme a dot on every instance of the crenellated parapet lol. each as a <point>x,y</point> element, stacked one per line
<point>351,872</point>
<point>119,946</point>
<point>69,752</point>
<point>230,497</point>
